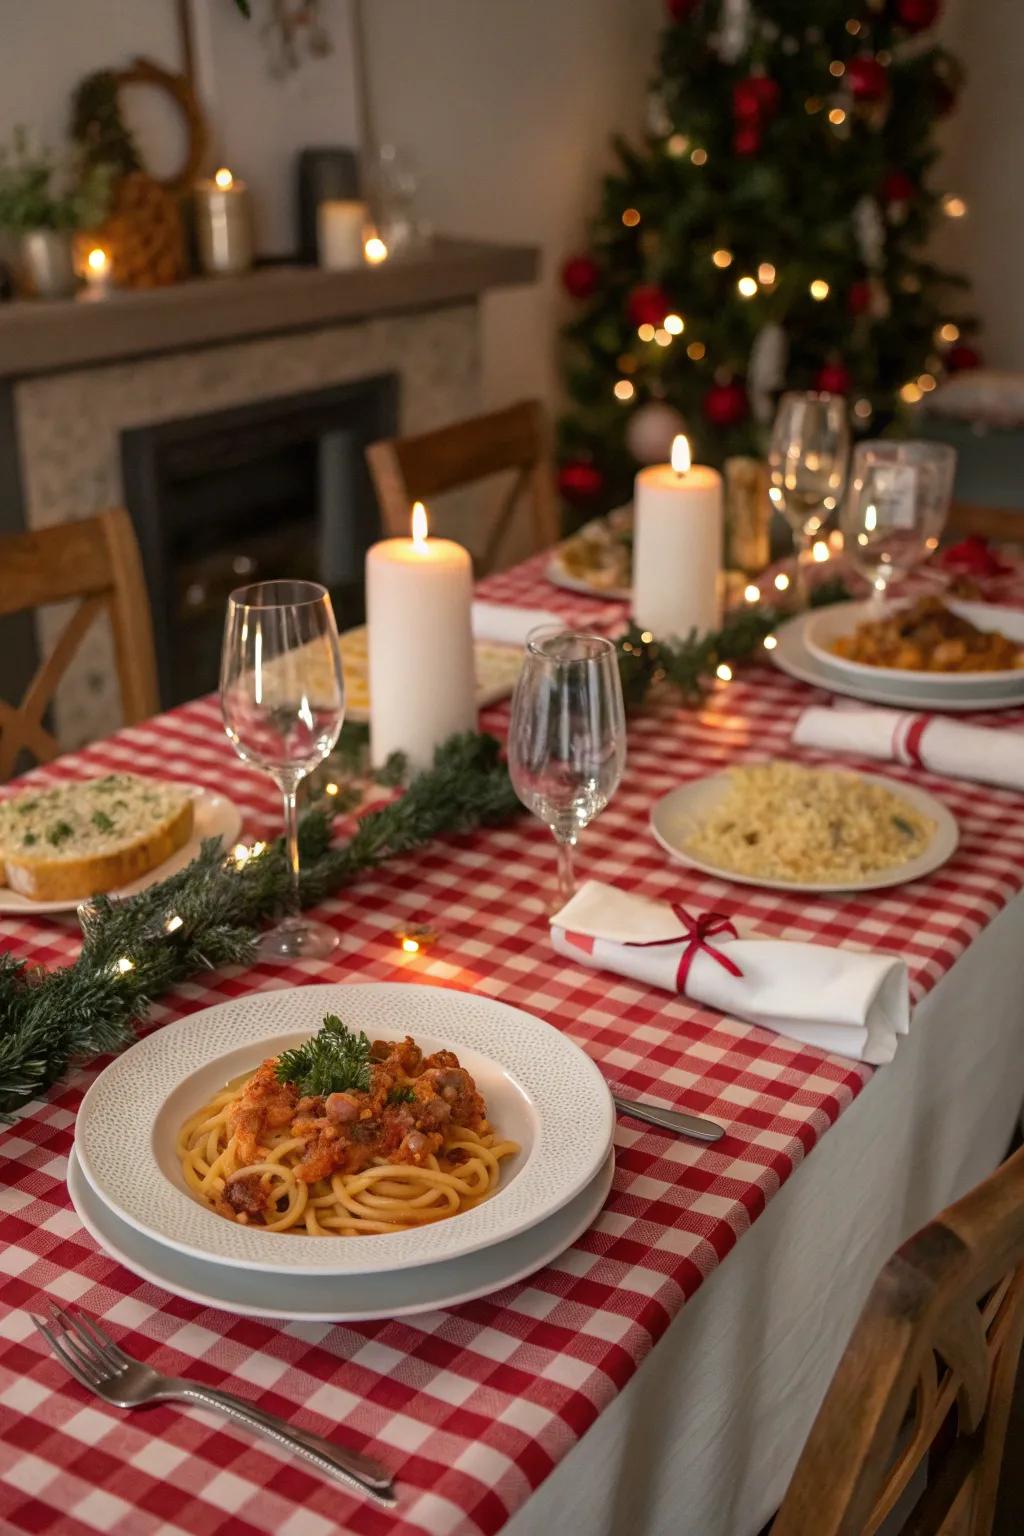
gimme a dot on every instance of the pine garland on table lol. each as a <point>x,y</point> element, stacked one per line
<point>208,915</point>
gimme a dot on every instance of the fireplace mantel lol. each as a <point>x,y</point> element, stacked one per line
<point>39,337</point>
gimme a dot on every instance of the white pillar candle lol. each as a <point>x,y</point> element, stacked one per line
<point>224,232</point>
<point>677,547</point>
<point>419,593</point>
<point>341,230</point>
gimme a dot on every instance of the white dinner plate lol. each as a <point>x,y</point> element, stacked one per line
<point>559,576</point>
<point>214,816</point>
<point>792,657</point>
<point>339,1298</point>
<point>540,1089</point>
<point>674,816</point>
<point>829,624</point>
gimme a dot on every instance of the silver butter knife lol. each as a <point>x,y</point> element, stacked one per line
<point>670,1119</point>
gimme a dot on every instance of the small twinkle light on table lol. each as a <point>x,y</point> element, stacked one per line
<point>375,251</point>
<point>414,938</point>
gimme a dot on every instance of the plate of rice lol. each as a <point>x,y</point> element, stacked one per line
<point>794,828</point>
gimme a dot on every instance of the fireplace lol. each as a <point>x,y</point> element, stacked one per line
<point>276,488</point>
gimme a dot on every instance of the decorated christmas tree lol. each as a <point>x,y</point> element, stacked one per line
<point>771,231</point>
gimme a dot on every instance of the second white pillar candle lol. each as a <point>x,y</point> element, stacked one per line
<point>419,594</point>
<point>677,550</point>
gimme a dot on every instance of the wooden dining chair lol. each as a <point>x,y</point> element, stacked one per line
<point>409,469</point>
<point>1003,525</point>
<point>96,562</point>
<point>927,1377</point>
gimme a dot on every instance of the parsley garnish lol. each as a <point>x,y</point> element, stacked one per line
<point>333,1061</point>
<point>101,820</point>
<point>29,839</point>
<point>403,1094</point>
<point>59,832</point>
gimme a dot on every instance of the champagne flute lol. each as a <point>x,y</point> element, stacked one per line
<point>567,739</point>
<point>283,702</point>
<point>896,507</point>
<point>807,467</point>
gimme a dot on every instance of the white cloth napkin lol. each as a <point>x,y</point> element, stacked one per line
<point>838,1000</point>
<point>925,741</point>
<point>500,624</point>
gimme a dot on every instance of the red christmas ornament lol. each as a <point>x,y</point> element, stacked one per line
<point>898,188</point>
<point>867,78</point>
<point>917,15</point>
<point>961,357</point>
<point>580,276</point>
<point>755,99</point>
<point>726,405</point>
<point>579,482</point>
<point>747,139</point>
<point>681,10</point>
<point>973,556</point>
<point>648,304</point>
<point>834,379</point>
<point>858,298</point>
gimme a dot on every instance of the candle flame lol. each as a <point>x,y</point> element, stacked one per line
<point>681,454</point>
<point>97,260</point>
<point>224,179</point>
<point>375,251</point>
<point>419,525</point>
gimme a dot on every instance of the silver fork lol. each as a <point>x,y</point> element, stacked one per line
<point>99,1364</point>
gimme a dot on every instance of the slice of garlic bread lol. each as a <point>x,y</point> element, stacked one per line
<point>70,841</point>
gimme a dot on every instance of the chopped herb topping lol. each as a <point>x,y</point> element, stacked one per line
<point>59,833</point>
<point>29,839</point>
<point>333,1061</point>
<point>102,821</point>
<point>403,1094</point>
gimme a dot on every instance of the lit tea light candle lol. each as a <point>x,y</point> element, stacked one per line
<point>419,593</point>
<point>677,555</point>
<point>97,273</point>
<point>224,227</point>
<point>341,233</point>
<point>375,251</point>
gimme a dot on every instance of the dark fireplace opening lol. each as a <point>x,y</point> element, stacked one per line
<point>278,488</point>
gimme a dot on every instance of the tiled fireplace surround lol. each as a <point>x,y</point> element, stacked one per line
<point>67,424</point>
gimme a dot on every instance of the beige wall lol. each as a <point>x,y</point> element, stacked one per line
<point>508,106</point>
<point>984,161</point>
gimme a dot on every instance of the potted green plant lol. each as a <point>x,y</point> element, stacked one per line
<point>42,203</point>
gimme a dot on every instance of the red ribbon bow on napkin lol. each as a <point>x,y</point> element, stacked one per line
<point>699,930</point>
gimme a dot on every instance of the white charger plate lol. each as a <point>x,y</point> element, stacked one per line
<point>338,1298</point>
<point>214,816</point>
<point>792,657</point>
<point>674,816</point>
<point>560,576</point>
<point>540,1088</point>
<point>829,624</point>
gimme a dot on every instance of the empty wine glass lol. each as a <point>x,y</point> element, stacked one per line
<point>567,739</point>
<point>283,702</point>
<point>807,467</point>
<point>896,507</point>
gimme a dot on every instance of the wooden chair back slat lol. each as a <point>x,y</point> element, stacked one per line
<point>405,470</point>
<point>96,561</point>
<point>940,1336</point>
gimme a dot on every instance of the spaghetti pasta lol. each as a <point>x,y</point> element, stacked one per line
<point>411,1147</point>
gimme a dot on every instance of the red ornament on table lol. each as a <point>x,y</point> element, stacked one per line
<point>858,296</point>
<point>747,139</point>
<point>648,305</point>
<point>898,188</point>
<point>962,356</point>
<point>917,15</point>
<point>867,79</point>
<point>755,99</point>
<point>834,378</point>
<point>579,481</point>
<point>726,405</point>
<point>580,276</point>
<point>973,556</point>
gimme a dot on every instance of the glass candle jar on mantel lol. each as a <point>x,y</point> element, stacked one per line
<point>224,225</point>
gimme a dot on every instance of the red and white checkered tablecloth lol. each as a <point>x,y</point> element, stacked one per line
<point>472,1407</point>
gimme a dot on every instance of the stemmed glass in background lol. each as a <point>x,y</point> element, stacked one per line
<point>896,507</point>
<point>567,739</point>
<point>807,468</point>
<point>283,702</point>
